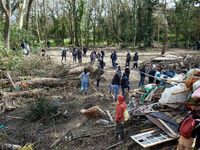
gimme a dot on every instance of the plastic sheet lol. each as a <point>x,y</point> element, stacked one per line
<point>168,98</point>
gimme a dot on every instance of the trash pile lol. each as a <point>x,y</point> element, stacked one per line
<point>166,104</point>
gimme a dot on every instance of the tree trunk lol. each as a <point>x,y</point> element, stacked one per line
<point>36,21</point>
<point>8,22</point>
<point>28,14</point>
<point>94,32</point>
<point>21,14</point>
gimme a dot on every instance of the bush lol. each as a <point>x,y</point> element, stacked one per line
<point>124,45</point>
<point>42,108</point>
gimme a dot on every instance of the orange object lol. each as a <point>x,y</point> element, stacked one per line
<point>190,81</point>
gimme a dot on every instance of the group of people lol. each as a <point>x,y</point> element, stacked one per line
<point>25,47</point>
<point>196,45</point>
<point>99,56</point>
<point>122,80</point>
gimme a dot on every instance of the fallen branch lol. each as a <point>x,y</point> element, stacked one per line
<point>10,80</point>
<point>109,115</point>
<point>114,145</point>
<point>16,117</point>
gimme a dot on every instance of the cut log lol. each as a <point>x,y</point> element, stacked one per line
<point>10,80</point>
<point>42,81</point>
<point>21,93</point>
<point>79,70</point>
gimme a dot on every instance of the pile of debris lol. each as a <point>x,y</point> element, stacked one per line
<point>168,103</point>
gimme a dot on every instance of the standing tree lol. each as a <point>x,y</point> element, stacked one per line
<point>8,22</point>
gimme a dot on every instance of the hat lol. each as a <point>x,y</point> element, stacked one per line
<point>121,99</point>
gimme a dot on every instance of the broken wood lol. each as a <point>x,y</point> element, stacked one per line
<point>10,80</point>
<point>109,115</point>
<point>181,91</point>
<point>58,140</point>
<point>166,126</point>
<point>17,117</point>
<point>114,145</point>
<point>149,129</point>
<point>149,97</point>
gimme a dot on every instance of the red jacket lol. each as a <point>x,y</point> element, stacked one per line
<point>121,107</point>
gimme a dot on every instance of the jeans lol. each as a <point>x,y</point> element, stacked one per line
<point>115,66</point>
<point>142,78</point>
<point>84,82</point>
<point>64,56</point>
<point>84,54</point>
<point>80,60</point>
<point>135,65</point>
<point>74,58</point>
<point>127,63</point>
<point>116,87</point>
<point>123,90</point>
<point>92,61</point>
<point>98,82</point>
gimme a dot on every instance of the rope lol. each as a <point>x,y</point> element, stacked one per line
<point>149,90</point>
<point>29,146</point>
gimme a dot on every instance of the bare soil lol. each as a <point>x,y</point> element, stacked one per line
<point>89,135</point>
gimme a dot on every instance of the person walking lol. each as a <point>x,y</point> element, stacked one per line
<point>84,51</point>
<point>79,56</point>
<point>43,51</point>
<point>119,118</point>
<point>124,84</point>
<point>194,45</point>
<point>115,85</point>
<point>128,58</point>
<point>111,57</point>
<point>92,58</point>
<point>98,72</point>
<point>23,45</point>
<point>102,53</point>
<point>198,45</point>
<point>74,54</point>
<point>152,72</point>
<point>115,59</point>
<point>127,71</point>
<point>85,79</point>
<point>135,61</point>
<point>64,53</point>
<point>142,75</point>
<point>102,64</point>
<point>98,58</point>
<point>48,44</point>
<point>119,71</point>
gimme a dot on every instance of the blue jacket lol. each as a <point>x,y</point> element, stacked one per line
<point>115,57</point>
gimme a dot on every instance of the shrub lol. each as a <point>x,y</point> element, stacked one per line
<point>42,108</point>
<point>124,45</point>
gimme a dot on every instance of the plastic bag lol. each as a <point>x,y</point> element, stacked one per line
<point>167,97</point>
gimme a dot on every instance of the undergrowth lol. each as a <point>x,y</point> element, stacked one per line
<point>42,108</point>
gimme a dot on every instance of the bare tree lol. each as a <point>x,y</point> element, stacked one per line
<point>8,22</point>
<point>21,13</point>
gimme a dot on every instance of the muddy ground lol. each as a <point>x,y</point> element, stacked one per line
<point>89,134</point>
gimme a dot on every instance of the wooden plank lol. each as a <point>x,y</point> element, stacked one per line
<point>166,126</point>
<point>181,91</point>
<point>109,115</point>
<point>149,129</point>
<point>114,145</point>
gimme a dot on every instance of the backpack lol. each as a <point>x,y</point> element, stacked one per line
<point>113,81</point>
<point>64,52</point>
<point>128,57</point>
<point>188,126</point>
